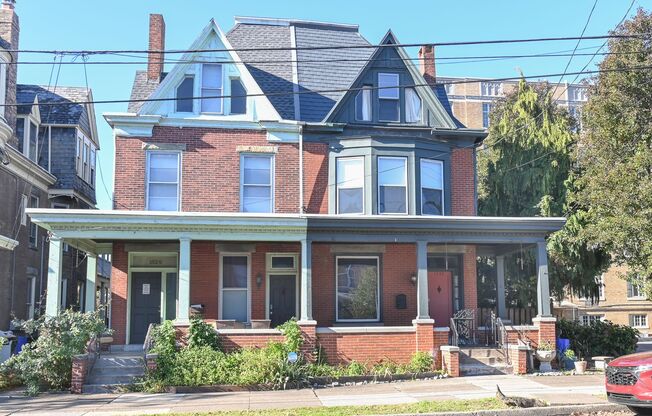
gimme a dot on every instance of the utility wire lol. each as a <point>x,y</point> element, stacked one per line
<point>335,90</point>
<point>318,48</point>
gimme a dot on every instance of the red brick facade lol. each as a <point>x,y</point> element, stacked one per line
<point>210,179</point>
<point>463,181</point>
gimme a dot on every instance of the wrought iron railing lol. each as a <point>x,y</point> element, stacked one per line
<point>149,341</point>
<point>465,326</point>
<point>502,340</point>
<point>455,337</point>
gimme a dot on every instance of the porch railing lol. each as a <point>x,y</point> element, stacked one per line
<point>149,340</point>
<point>517,316</point>
<point>455,337</point>
<point>502,341</point>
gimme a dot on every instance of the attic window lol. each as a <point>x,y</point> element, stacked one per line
<point>412,106</point>
<point>211,86</point>
<point>238,97</point>
<point>363,104</point>
<point>388,97</point>
<point>184,95</point>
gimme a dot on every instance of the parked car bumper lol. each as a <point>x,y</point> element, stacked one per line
<point>631,387</point>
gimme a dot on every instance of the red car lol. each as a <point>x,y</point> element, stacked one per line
<point>628,381</point>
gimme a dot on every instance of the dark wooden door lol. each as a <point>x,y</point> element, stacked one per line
<point>440,297</point>
<point>145,304</point>
<point>282,298</point>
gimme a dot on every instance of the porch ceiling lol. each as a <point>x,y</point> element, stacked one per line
<point>87,227</point>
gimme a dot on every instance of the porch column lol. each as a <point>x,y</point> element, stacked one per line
<point>183,315</point>
<point>422,281</point>
<point>306,281</point>
<point>543,287</point>
<point>500,287</point>
<point>55,261</point>
<point>91,276</point>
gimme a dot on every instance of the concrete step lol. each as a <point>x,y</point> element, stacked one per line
<point>105,388</point>
<point>482,360</point>
<point>484,370</point>
<point>119,360</point>
<point>138,370</point>
<point>482,352</point>
<point>110,380</point>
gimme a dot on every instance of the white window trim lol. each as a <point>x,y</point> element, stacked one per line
<point>397,99</point>
<point>201,88</point>
<point>24,200</point>
<point>633,323</point>
<point>179,175</point>
<point>639,297</point>
<point>31,224</point>
<point>28,120</point>
<point>421,107</point>
<point>443,187</point>
<point>270,271</point>
<point>599,317</point>
<point>221,286</point>
<point>337,186</point>
<point>272,178</point>
<point>363,89</point>
<point>30,297</point>
<point>337,318</point>
<point>405,160</point>
<point>176,108</point>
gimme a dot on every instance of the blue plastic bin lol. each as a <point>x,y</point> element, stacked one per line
<point>20,341</point>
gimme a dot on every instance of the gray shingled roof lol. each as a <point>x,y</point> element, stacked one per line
<point>440,92</point>
<point>67,112</point>
<point>272,77</point>
<point>141,89</point>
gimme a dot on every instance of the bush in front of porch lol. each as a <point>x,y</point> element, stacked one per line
<point>202,363</point>
<point>46,362</point>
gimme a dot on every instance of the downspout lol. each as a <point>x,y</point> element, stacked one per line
<point>301,209</point>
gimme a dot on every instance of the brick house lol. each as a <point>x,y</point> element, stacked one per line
<point>330,185</point>
<point>48,161</point>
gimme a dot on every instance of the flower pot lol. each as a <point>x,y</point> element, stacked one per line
<point>580,367</point>
<point>545,357</point>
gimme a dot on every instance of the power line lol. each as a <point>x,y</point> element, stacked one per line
<point>330,47</point>
<point>595,3</point>
<point>335,90</point>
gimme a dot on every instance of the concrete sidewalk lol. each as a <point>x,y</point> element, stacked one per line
<point>554,389</point>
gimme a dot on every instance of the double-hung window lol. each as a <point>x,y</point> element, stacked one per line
<point>234,297</point>
<point>638,321</point>
<point>185,92</point>
<point>31,292</point>
<point>388,97</point>
<point>350,185</point>
<point>163,179</point>
<point>257,183</point>
<point>211,86</point>
<point>238,97</point>
<point>363,104</point>
<point>486,114</point>
<point>412,106</point>
<point>392,185</point>
<point>634,291</point>
<point>358,286</point>
<point>432,187</point>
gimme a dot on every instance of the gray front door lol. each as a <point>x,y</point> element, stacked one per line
<point>282,298</point>
<point>145,304</point>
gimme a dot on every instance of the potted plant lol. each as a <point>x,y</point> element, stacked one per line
<point>569,359</point>
<point>580,364</point>
<point>545,354</point>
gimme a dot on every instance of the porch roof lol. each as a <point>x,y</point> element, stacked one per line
<point>90,227</point>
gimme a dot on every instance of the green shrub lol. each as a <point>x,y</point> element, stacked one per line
<point>355,369</point>
<point>421,362</point>
<point>164,339</point>
<point>46,363</point>
<point>202,334</point>
<point>598,338</point>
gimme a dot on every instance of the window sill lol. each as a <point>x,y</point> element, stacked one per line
<point>637,298</point>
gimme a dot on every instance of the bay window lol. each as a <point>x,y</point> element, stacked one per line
<point>432,187</point>
<point>392,185</point>
<point>211,86</point>
<point>234,288</point>
<point>256,183</point>
<point>350,185</point>
<point>163,180</point>
<point>358,287</point>
<point>388,97</point>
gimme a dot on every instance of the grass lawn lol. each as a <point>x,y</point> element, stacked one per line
<point>412,408</point>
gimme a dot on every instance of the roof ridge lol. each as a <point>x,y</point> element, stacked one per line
<point>274,21</point>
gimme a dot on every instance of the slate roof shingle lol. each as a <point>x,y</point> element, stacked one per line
<point>141,90</point>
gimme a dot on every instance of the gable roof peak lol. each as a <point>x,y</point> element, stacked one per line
<point>274,21</point>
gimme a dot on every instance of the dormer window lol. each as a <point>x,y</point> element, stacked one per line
<point>388,97</point>
<point>27,134</point>
<point>238,97</point>
<point>184,95</point>
<point>363,104</point>
<point>211,86</point>
<point>412,106</point>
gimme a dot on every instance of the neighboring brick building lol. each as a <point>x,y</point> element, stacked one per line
<point>259,184</point>
<point>48,161</point>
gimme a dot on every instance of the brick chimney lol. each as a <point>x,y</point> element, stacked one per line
<point>156,43</point>
<point>9,31</point>
<point>427,63</point>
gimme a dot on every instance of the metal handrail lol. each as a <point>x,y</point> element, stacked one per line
<point>149,341</point>
<point>501,338</point>
<point>455,337</point>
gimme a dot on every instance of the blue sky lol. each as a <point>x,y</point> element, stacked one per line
<point>122,24</point>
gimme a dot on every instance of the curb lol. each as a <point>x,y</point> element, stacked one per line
<point>535,411</point>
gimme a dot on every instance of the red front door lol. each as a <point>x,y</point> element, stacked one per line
<point>440,299</point>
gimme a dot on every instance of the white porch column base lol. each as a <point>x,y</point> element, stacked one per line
<point>305,301</point>
<point>91,277</point>
<point>422,281</point>
<point>55,261</point>
<point>543,285</point>
<point>423,321</point>
<point>183,314</point>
